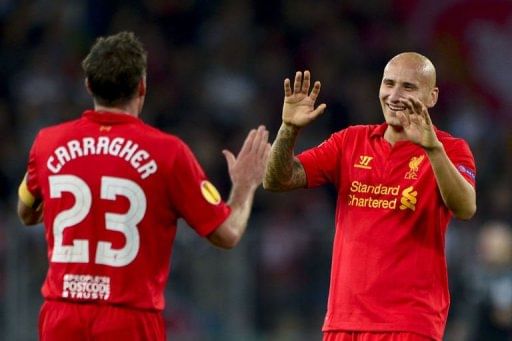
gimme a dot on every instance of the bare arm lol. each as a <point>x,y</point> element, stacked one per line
<point>30,209</point>
<point>284,171</point>
<point>457,193</point>
<point>28,215</point>
<point>233,228</point>
<point>246,172</point>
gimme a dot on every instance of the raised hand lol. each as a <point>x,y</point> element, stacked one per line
<point>417,124</point>
<point>246,172</point>
<point>248,168</point>
<point>299,104</point>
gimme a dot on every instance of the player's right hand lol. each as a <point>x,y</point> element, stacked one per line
<point>248,167</point>
<point>299,104</point>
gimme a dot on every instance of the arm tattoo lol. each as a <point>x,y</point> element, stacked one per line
<point>284,171</point>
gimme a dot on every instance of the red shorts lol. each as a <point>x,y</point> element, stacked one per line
<point>81,322</point>
<point>373,336</point>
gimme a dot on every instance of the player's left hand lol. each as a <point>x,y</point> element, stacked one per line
<point>417,124</point>
<point>248,167</point>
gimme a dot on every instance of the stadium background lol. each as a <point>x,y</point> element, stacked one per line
<point>216,70</point>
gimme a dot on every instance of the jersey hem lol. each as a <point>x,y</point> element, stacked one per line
<point>384,327</point>
<point>103,303</point>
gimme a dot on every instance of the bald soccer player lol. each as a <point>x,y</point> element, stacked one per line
<point>398,184</point>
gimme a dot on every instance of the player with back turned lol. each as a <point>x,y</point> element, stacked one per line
<point>398,185</point>
<point>109,190</point>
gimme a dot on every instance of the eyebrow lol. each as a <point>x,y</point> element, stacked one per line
<point>409,84</point>
<point>412,85</point>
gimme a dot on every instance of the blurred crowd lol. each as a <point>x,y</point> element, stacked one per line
<point>215,71</point>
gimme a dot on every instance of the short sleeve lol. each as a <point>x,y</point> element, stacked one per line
<point>321,162</point>
<point>32,178</point>
<point>462,158</point>
<point>194,197</point>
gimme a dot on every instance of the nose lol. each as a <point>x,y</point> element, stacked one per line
<point>395,94</point>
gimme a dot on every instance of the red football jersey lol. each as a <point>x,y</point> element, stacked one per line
<point>113,189</point>
<point>388,267</point>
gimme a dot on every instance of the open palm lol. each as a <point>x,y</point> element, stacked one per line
<point>299,105</point>
<point>417,124</point>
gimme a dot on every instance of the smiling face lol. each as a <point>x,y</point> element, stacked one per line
<point>406,75</point>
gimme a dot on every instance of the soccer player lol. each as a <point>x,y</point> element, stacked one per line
<point>398,185</point>
<point>109,190</point>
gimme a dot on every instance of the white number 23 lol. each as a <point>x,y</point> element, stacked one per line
<point>125,223</point>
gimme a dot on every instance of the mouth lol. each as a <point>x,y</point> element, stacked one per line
<point>396,107</point>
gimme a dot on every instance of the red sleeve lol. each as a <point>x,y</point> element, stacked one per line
<point>460,155</point>
<point>33,184</point>
<point>194,197</point>
<point>321,162</point>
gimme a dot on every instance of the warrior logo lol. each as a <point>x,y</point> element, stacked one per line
<point>364,162</point>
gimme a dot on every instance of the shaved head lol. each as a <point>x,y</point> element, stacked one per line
<point>407,75</point>
<point>420,63</point>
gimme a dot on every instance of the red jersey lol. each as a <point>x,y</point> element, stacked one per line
<point>113,189</point>
<point>388,267</point>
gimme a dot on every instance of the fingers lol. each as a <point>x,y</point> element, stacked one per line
<point>315,91</point>
<point>306,82</point>
<point>255,141</point>
<point>247,146</point>
<point>301,84</point>
<point>404,119</point>
<point>297,82</point>
<point>261,141</point>
<point>266,152</point>
<point>426,116</point>
<point>265,156</point>
<point>319,110</point>
<point>248,167</point>
<point>230,158</point>
<point>417,108</point>
<point>421,110</point>
<point>408,104</point>
<point>287,88</point>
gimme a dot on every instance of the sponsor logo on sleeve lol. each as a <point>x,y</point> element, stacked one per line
<point>210,193</point>
<point>465,170</point>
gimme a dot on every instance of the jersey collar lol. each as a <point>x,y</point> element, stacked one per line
<point>379,130</point>
<point>107,117</point>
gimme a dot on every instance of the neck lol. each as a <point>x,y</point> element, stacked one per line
<point>394,134</point>
<point>132,108</point>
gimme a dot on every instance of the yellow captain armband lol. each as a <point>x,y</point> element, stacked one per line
<point>24,194</point>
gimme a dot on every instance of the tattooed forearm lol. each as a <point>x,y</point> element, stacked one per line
<point>284,171</point>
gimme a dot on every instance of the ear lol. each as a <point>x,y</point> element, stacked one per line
<point>87,86</point>
<point>142,87</point>
<point>434,95</point>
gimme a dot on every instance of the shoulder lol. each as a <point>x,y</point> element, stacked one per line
<point>355,134</point>
<point>54,132</point>
<point>362,128</point>
<point>160,136</point>
<point>456,148</point>
<point>449,141</point>
<point>357,131</point>
<point>165,144</point>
